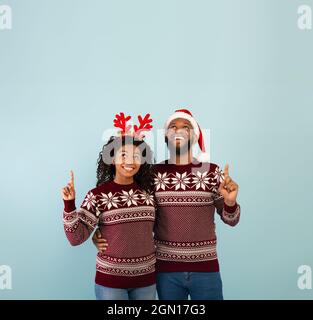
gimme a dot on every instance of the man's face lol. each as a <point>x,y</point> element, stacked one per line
<point>180,136</point>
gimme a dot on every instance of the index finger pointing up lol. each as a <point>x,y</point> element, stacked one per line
<point>72,177</point>
<point>226,170</point>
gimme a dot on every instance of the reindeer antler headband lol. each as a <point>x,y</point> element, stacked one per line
<point>120,122</point>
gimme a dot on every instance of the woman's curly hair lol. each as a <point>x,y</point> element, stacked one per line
<point>106,169</point>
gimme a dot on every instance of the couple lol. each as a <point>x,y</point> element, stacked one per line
<point>156,229</point>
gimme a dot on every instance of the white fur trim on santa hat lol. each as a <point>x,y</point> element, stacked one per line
<point>203,157</point>
<point>186,116</point>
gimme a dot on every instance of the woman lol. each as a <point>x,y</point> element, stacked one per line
<point>122,205</point>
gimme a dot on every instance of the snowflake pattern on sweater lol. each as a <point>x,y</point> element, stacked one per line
<point>192,180</point>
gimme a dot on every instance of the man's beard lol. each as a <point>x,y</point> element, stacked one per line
<point>179,150</point>
<point>182,150</point>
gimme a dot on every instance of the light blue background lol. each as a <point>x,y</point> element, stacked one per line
<point>242,67</point>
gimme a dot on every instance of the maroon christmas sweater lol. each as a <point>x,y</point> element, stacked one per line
<point>125,215</point>
<point>187,197</point>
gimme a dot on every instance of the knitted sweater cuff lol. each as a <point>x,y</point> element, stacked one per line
<point>69,205</point>
<point>230,209</point>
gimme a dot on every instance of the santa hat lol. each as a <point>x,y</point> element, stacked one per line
<point>187,115</point>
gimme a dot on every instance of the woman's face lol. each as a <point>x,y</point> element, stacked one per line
<point>127,161</point>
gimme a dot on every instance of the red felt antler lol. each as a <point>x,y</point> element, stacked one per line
<point>120,121</point>
<point>144,124</point>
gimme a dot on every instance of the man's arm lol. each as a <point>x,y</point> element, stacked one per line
<point>229,214</point>
<point>225,199</point>
<point>100,243</point>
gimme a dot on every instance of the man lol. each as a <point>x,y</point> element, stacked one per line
<point>187,192</point>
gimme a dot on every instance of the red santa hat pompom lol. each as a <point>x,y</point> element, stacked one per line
<point>203,156</point>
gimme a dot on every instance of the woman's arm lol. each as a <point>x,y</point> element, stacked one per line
<point>78,223</point>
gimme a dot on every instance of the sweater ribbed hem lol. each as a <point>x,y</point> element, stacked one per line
<point>204,266</point>
<point>124,282</point>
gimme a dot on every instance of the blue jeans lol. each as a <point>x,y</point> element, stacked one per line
<point>199,285</point>
<point>143,293</point>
